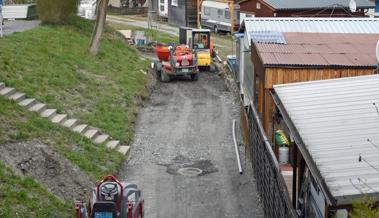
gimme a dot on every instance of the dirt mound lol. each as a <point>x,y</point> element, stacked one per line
<point>39,161</point>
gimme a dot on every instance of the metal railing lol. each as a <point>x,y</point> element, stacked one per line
<point>270,182</point>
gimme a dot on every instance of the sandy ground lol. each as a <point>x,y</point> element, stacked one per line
<point>37,160</point>
<point>12,26</point>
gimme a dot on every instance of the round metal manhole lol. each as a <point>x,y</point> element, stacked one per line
<point>190,171</point>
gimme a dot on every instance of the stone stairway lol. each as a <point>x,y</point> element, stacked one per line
<point>92,133</point>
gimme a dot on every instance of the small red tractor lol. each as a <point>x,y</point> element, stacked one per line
<point>176,60</point>
<point>112,199</point>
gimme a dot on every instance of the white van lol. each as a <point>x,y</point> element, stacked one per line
<point>216,16</point>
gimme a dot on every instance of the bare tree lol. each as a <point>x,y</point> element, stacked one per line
<point>98,29</point>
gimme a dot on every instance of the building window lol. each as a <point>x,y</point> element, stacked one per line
<point>207,11</point>
<point>174,3</point>
<point>220,12</point>
<point>258,5</point>
<point>274,14</point>
<point>162,1</point>
<point>162,8</point>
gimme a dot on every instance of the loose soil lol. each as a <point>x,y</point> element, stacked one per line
<point>39,161</point>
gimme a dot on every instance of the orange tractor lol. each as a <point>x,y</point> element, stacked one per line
<point>176,60</point>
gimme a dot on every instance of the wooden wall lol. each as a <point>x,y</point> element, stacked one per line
<point>185,14</point>
<point>275,76</point>
<point>250,7</point>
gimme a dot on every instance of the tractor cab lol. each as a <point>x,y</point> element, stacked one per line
<point>201,44</point>
<point>201,39</point>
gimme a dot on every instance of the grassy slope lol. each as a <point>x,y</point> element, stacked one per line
<point>51,63</point>
<point>23,197</point>
<point>17,124</point>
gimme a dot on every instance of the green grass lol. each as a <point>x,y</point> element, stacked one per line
<point>18,124</point>
<point>24,197</point>
<point>51,63</point>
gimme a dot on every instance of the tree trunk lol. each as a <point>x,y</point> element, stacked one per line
<point>98,29</point>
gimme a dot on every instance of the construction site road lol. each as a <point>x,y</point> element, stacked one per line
<point>183,158</point>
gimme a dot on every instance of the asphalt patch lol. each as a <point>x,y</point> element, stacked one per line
<point>183,166</point>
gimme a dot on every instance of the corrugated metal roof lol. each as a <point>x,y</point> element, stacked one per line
<point>334,120</point>
<point>267,37</point>
<point>312,4</point>
<point>321,50</point>
<point>313,25</point>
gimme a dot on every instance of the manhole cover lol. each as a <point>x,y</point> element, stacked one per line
<point>189,171</point>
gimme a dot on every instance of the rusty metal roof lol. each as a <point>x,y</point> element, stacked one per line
<point>321,50</point>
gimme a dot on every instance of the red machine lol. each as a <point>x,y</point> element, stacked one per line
<point>175,61</point>
<point>112,199</point>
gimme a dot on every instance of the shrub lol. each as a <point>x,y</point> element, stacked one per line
<point>364,208</point>
<point>56,11</point>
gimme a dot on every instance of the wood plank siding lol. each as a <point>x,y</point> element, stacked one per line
<point>275,76</point>
<point>184,14</point>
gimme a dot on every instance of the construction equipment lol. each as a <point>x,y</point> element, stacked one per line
<point>202,45</point>
<point>112,199</point>
<point>174,60</point>
<point>200,42</point>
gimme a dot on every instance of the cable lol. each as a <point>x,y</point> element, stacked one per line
<point>360,159</point>
<point>377,110</point>
<point>377,147</point>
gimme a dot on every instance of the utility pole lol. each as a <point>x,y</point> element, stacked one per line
<point>231,10</point>
<point>198,4</point>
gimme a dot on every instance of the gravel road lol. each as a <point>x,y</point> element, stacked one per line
<point>12,26</point>
<point>183,157</point>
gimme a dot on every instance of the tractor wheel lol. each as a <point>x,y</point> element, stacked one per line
<point>156,70</point>
<point>195,77</point>
<point>164,77</point>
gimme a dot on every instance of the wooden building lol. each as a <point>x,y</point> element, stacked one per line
<point>182,13</point>
<point>306,57</point>
<point>333,128</point>
<point>303,8</point>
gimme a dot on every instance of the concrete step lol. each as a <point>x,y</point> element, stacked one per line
<point>49,113</point>
<point>7,91</point>
<point>80,128</point>
<point>2,85</point>
<point>100,139</point>
<point>38,107</point>
<point>123,149</point>
<point>91,133</point>
<point>70,123</point>
<point>112,144</point>
<point>59,118</point>
<point>17,97</point>
<point>29,102</point>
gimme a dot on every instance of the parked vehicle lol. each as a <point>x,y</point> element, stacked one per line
<point>201,44</point>
<point>112,199</point>
<point>217,16</point>
<point>175,60</point>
